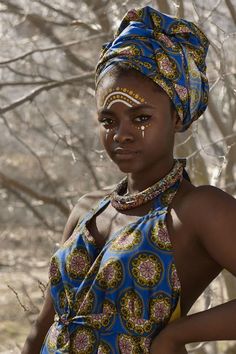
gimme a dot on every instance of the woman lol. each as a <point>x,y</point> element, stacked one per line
<point>130,269</point>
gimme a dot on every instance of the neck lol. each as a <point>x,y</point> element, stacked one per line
<point>138,182</point>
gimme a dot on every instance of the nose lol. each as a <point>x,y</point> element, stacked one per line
<point>123,133</point>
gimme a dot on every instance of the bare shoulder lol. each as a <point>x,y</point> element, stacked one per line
<point>84,204</point>
<point>208,198</point>
<point>209,214</point>
<point>205,204</point>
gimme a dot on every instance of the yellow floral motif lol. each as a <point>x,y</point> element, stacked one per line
<point>128,344</point>
<point>180,28</point>
<point>160,237</point>
<point>134,15</point>
<point>182,92</point>
<point>97,320</point>
<point>160,308</point>
<point>110,274</point>
<point>167,66</point>
<point>84,302</point>
<point>195,97</point>
<point>78,263</point>
<point>131,305</point>
<point>156,20</point>
<point>69,292</point>
<point>167,196</point>
<point>174,279</point>
<point>54,271</point>
<point>83,340</point>
<point>58,338</point>
<point>146,269</point>
<point>62,299</point>
<point>103,348</point>
<point>127,240</point>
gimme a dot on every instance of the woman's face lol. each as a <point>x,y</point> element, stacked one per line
<point>137,123</point>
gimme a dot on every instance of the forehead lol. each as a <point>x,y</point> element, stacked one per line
<point>131,88</point>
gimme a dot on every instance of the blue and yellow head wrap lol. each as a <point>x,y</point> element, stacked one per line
<point>168,50</point>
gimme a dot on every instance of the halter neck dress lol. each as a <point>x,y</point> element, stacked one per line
<point>118,298</point>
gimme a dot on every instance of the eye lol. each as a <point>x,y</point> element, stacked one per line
<point>106,122</point>
<point>143,118</point>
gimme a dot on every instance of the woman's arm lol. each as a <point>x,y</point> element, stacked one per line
<point>218,323</point>
<point>45,318</point>
<point>213,218</point>
<point>40,328</point>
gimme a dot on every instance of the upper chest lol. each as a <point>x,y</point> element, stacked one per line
<point>109,221</point>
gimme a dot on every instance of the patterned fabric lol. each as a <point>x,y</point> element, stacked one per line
<point>121,201</point>
<point>114,299</point>
<point>169,51</point>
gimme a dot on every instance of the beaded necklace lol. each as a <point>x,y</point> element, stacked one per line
<point>121,201</point>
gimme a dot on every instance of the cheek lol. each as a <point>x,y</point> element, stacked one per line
<point>105,139</point>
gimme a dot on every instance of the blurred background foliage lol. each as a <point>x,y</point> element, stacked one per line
<point>50,149</point>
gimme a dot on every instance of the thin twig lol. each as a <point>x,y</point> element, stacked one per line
<point>47,87</point>
<point>18,299</point>
<point>56,47</point>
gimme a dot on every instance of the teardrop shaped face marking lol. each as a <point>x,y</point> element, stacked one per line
<point>128,98</point>
<point>143,130</point>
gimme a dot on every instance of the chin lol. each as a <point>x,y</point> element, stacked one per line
<point>127,167</point>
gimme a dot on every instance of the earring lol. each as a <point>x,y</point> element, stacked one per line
<point>143,129</point>
<point>107,132</point>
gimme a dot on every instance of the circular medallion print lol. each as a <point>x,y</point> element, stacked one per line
<point>110,274</point>
<point>174,279</point>
<point>57,338</point>
<point>128,344</point>
<point>146,269</point>
<point>82,341</point>
<point>54,271</point>
<point>78,263</point>
<point>104,348</point>
<point>160,236</point>
<point>84,302</point>
<point>103,319</point>
<point>131,305</point>
<point>167,66</point>
<point>160,308</point>
<point>127,240</point>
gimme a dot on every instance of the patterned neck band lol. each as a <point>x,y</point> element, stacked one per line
<point>125,202</point>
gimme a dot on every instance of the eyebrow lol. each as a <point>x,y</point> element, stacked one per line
<point>131,109</point>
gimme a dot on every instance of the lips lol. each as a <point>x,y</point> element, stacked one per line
<point>125,154</point>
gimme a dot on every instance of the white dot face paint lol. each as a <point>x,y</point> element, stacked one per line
<point>128,98</point>
<point>119,96</point>
<point>122,95</point>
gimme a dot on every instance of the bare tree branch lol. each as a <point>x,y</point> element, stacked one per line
<point>47,87</point>
<point>31,151</point>
<point>57,47</point>
<point>56,9</point>
<point>10,182</point>
<point>35,212</point>
<point>81,151</point>
<point>40,23</point>
<point>232,9</point>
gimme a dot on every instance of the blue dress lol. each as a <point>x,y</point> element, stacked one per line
<point>114,299</point>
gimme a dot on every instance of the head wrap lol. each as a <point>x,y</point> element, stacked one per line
<point>168,50</point>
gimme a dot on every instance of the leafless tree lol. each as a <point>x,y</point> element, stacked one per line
<point>50,154</point>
